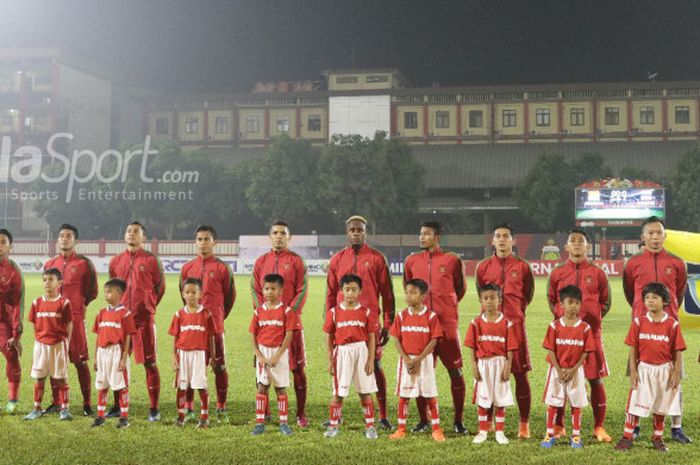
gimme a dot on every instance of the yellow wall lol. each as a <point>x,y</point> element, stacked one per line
<point>637,106</point>
<point>283,113</point>
<point>242,117</point>
<point>587,127</point>
<point>418,131</point>
<point>621,105</point>
<point>182,117</point>
<point>305,133</point>
<point>553,127</point>
<point>518,128</point>
<point>213,135</point>
<point>693,110</point>
<point>450,130</point>
<point>485,111</point>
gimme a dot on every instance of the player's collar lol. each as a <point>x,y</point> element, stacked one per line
<point>55,299</point>
<point>575,325</point>
<point>113,309</point>
<point>422,311</point>
<point>663,318</point>
<point>201,307</point>
<point>342,305</point>
<point>498,320</point>
<point>264,305</point>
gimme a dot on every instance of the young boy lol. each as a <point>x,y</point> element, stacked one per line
<point>655,362</point>
<point>492,340</point>
<point>51,315</point>
<point>350,337</point>
<point>272,327</point>
<point>568,341</point>
<point>114,326</point>
<point>416,331</point>
<point>193,329</point>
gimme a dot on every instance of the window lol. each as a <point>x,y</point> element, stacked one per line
<point>646,115</point>
<point>314,123</point>
<point>42,121</point>
<point>251,124</point>
<point>346,80</point>
<point>370,79</point>
<point>476,119</point>
<point>282,124</point>
<point>410,120</point>
<point>509,118</point>
<point>162,126</point>
<point>578,117</point>
<point>221,125</point>
<point>682,115</point>
<point>612,116</point>
<point>6,121</point>
<point>442,119</point>
<point>191,125</point>
<point>542,117</point>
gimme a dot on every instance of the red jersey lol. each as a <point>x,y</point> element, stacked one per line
<point>292,268</point>
<point>112,325</point>
<point>594,286</point>
<point>79,281</point>
<point>218,287</point>
<point>192,330</point>
<point>271,324</point>
<point>661,267</point>
<point>145,283</point>
<point>350,325</point>
<point>514,276</point>
<point>569,342</point>
<point>416,330</point>
<point>491,338</point>
<point>656,341</point>
<point>50,318</point>
<point>444,273</point>
<point>11,296</point>
<point>371,266</point>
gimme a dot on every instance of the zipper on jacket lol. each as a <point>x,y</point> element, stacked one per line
<point>430,278</point>
<point>656,271</point>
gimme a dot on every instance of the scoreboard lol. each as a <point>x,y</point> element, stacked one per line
<point>618,206</point>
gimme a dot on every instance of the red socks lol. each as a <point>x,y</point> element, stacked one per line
<point>483,418</point>
<point>551,418</point>
<point>368,410</point>
<point>434,413</point>
<point>300,390</point>
<point>523,395</point>
<point>181,403</point>
<point>101,402</point>
<point>599,404</point>
<point>658,427</point>
<point>63,395</point>
<point>221,388</point>
<point>204,404</point>
<point>283,407</point>
<point>576,421</point>
<point>631,422</point>
<point>13,391</point>
<point>402,413</point>
<point>381,392</point>
<point>153,383</point>
<point>260,407</point>
<point>458,392</point>
<point>500,418</point>
<point>123,402</point>
<point>38,394</point>
<point>335,414</point>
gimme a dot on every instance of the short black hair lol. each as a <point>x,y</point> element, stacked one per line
<point>196,281</point>
<point>421,285</point>
<point>653,219</point>
<point>503,226</point>
<point>206,228</point>
<point>116,283</point>
<point>434,225</point>
<point>579,231</point>
<point>350,278</point>
<point>53,271</point>
<point>6,233</point>
<point>136,223</point>
<point>69,227</point>
<point>280,223</point>
<point>641,244</point>
<point>490,287</point>
<point>274,278</point>
<point>571,291</point>
<point>658,289</point>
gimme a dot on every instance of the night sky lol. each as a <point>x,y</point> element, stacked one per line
<point>227,45</point>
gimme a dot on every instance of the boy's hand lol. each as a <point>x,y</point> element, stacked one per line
<point>674,379</point>
<point>122,364</point>
<point>174,365</point>
<point>273,361</point>
<point>634,379</point>
<point>94,365</point>
<point>369,366</point>
<point>505,375</point>
<point>410,365</point>
<point>475,372</point>
<point>331,367</point>
<point>561,373</point>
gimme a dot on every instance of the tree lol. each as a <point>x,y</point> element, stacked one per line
<point>589,166</point>
<point>684,186</point>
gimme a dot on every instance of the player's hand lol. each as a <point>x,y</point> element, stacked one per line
<point>383,337</point>
<point>273,361</point>
<point>674,380</point>
<point>561,373</point>
<point>369,367</point>
<point>122,364</point>
<point>331,367</point>
<point>634,379</point>
<point>174,365</point>
<point>94,365</point>
<point>505,375</point>
<point>475,372</point>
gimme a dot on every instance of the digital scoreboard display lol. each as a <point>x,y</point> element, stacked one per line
<point>618,207</point>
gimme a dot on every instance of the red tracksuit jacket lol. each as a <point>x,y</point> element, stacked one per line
<point>292,268</point>
<point>145,283</point>
<point>594,285</point>
<point>514,276</point>
<point>646,267</point>
<point>79,281</point>
<point>11,296</point>
<point>444,273</point>
<point>371,266</point>
<point>218,286</point>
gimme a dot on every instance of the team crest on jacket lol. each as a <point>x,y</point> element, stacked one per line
<point>142,267</point>
<point>212,274</point>
<point>668,270</point>
<point>443,269</point>
<point>514,274</point>
<point>73,269</point>
<point>589,279</point>
<point>366,264</point>
<point>4,279</point>
<point>286,266</point>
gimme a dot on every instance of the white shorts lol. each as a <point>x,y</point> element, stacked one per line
<point>192,369</point>
<point>350,360</point>
<point>652,396</point>
<point>419,385</point>
<point>108,375</point>
<point>491,391</point>
<point>557,393</point>
<point>278,375</point>
<point>50,360</point>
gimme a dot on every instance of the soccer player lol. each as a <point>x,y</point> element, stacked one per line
<point>514,277</point>
<point>492,340</point>
<point>79,286</point>
<point>371,266</point>
<point>568,342</point>
<point>656,362</point>
<point>114,326</point>
<point>193,328</point>
<point>218,296</point>
<point>351,331</point>
<point>280,260</point>
<point>145,287</point>
<point>416,331</point>
<point>11,313</point>
<point>593,283</point>
<point>444,273</point>
<point>655,264</point>
<point>51,315</point>
<point>272,329</point>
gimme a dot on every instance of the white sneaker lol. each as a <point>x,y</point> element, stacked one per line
<point>481,437</point>
<point>501,437</point>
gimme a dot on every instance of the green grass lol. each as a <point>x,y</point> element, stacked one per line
<point>47,441</point>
